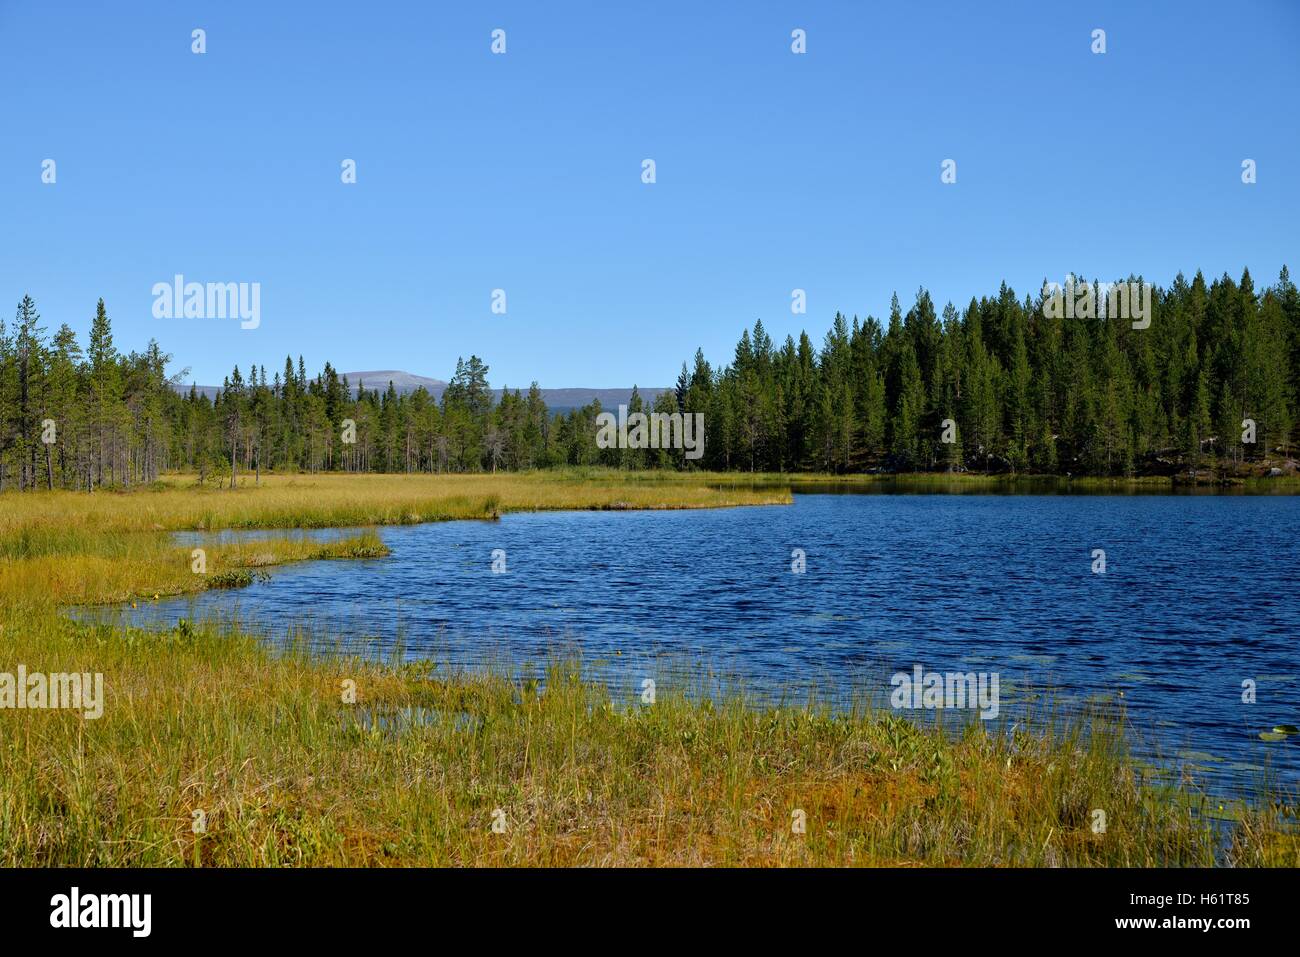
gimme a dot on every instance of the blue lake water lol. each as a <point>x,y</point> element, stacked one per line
<point>1199,595</point>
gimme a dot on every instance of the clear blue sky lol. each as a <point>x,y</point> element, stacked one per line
<point>523,171</point>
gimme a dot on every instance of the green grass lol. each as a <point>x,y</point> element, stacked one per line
<point>978,481</point>
<point>285,772</point>
<point>282,770</point>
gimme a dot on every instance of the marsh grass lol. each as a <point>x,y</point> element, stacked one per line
<point>41,520</point>
<point>110,567</point>
<point>256,734</point>
<point>75,548</point>
<point>261,741</point>
<point>978,482</point>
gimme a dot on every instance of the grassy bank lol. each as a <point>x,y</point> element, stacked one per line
<point>281,770</point>
<point>315,501</point>
<point>75,548</point>
<point>997,483</point>
<point>281,764</point>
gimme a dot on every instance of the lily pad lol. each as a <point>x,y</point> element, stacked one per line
<point>1271,736</point>
<point>1285,729</point>
<point>1199,757</point>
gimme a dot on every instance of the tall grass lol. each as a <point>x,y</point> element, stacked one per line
<point>416,771</point>
<point>255,738</point>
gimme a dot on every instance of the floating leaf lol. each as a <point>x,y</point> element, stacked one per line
<point>1271,736</point>
<point>1285,729</point>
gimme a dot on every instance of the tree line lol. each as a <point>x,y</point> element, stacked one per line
<point>1004,385</point>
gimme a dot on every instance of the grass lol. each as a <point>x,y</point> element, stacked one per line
<point>1000,482</point>
<point>332,500</point>
<point>74,548</point>
<point>95,569</point>
<point>283,766</point>
<point>284,772</point>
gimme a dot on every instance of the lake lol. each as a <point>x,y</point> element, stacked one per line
<point>1198,596</point>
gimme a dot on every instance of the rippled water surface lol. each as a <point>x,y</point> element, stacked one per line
<point>1199,595</point>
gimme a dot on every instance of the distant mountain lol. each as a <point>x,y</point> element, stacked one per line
<point>557,400</point>
<point>562,400</point>
<point>403,382</point>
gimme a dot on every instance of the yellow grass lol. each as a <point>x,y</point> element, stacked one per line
<point>73,548</point>
<point>283,767</point>
<point>312,501</point>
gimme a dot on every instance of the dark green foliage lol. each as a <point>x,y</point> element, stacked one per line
<point>1017,389</point>
<point>1021,391</point>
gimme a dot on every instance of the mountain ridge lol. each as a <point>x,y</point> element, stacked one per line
<point>557,400</point>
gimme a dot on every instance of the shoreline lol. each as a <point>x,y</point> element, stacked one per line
<point>307,760</point>
<point>271,747</point>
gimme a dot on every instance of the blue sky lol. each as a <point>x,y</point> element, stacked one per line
<point>522,172</point>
